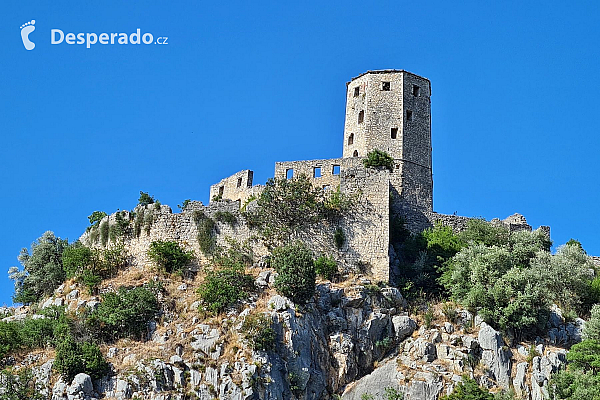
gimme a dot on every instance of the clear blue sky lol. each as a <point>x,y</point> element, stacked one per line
<point>244,84</point>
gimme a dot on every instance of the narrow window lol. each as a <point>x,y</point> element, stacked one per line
<point>289,173</point>
<point>397,166</point>
<point>361,116</point>
<point>355,154</point>
<point>394,133</point>
<point>316,172</point>
<point>325,188</point>
<point>385,86</point>
<point>356,91</point>
<point>408,115</point>
<point>239,182</point>
<point>350,139</point>
<point>336,170</point>
<point>416,90</point>
<point>221,189</point>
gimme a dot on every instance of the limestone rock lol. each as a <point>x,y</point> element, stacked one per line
<point>404,326</point>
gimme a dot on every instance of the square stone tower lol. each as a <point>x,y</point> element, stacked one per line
<point>390,110</point>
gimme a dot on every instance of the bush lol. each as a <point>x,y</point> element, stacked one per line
<point>73,358</point>
<point>379,159</point>
<point>125,313</point>
<point>468,389</point>
<point>104,233</point>
<point>591,330</point>
<point>42,269</point>
<point>296,268</point>
<point>224,286</point>
<point>258,332</point>
<point>169,256</point>
<point>339,237</point>
<point>575,385</point>
<point>326,267</point>
<point>145,199</point>
<point>20,386</point>
<point>96,217</point>
<point>206,232</point>
<point>76,258</point>
<point>225,217</point>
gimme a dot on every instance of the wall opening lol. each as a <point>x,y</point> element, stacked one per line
<point>386,86</point>
<point>335,170</point>
<point>394,133</point>
<point>356,91</point>
<point>239,182</point>
<point>409,115</point>
<point>416,90</point>
<point>326,188</point>
<point>361,116</point>
<point>316,172</point>
<point>289,173</point>
<point>355,154</point>
<point>221,190</point>
<point>350,139</point>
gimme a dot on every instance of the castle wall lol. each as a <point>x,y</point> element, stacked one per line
<point>237,187</point>
<point>327,179</point>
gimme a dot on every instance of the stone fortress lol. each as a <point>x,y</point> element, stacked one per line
<point>388,110</point>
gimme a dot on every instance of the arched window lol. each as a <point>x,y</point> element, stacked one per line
<point>350,139</point>
<point>361,116</point>
<point>355,153</point>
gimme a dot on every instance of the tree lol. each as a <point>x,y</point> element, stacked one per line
<point>379,159</point>
<point>96,217</point>
<point>585,356</point>
<point>19,385</point>
<point>468,389</point>
<point>169,256</point>
<point>592,326</point>
<point>296,268</point>
<point>43,268</point>
<point>145,199</point>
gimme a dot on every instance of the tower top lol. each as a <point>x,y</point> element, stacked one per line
<point>389,71</point>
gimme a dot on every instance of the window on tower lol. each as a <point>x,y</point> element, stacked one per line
<point>409,115</point>
<point>316,172</point>
<point>361,116</point>
<point>289,173</point>
<point>416,90</point>
<point>385,86</point>
<point>350,139</point>
<point>355,154</point>
<point>336,170</point>
<point>356,91</point>
<point>239,182</point>
<point>394,133</point>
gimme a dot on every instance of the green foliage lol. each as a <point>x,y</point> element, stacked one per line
<point>73,358</point>
<point>258,332</point>
<point>326,267</point>
<point>104,233</point>
<point>185,203</point>
<point>573,242</point>
<point>206,232</point>
<point>339,237</point>
<point>225,285</point>
<point>42,269</point>
<point>169,256</point>
<point>591,329</point>
<point>21,385</point>
<point>379,159</point>
<point>76,258</point>
<point>481,231</point>
<point>533,353</point>
<point>468,389</point>
<point>336,203</point>
<point>124,313</point>
<point>91,281</point>
<point>96,217</point>
<point>512,281</point>
<point>145,199</point>
<point>428,319</point>
<point>225,217</point>
<point>121,226</point>
<point>296,268</point>
<point>575,385</point>
<point>585,356</point>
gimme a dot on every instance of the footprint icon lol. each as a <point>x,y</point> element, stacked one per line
<point>26,29</point>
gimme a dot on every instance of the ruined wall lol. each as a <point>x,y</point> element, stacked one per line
<point>237,187</point>
<point>328,178</point>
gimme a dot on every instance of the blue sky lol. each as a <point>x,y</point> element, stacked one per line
<point>244,84</point>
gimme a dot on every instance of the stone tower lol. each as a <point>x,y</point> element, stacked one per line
<point>390,110</point>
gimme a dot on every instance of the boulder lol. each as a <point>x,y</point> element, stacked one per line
<point>404,326</point>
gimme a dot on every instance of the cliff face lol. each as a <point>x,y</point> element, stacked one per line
<point>353,340</point>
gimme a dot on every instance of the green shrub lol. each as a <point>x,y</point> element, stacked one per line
<point>468,389</point>
<point>585,356</point>
<point>379,159</point>
<point>76,258</point>
<point>225,217</point>
<point>336,203</point>
<point>21,385</point>
<point>42,269</point>
<point>73,358</point>
<point>206,232</point>
<point>169,256</point>
<point>339,237</point>
<point>296,268</point>
<point>591,329</point>
<point>91,281</point>
<point>10,338</point>
<point>104,233</point>
<point>125,313</point>
<point>326,267</point>
<point>145,199</point>
<point>575,385</point>
<point>96,217</point>
<point>258,331</point>
<point>185,203</point>
<point>224,286</point>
